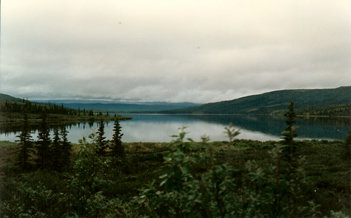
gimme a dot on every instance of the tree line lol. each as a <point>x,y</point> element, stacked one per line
<point>46,153</point>
<point>55,153</point>
<point>37,108</point>
<point>328,111</point>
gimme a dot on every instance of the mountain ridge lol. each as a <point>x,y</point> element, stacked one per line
<point>274,102</point>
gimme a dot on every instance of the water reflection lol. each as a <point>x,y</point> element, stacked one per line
<point>157,128</point>
<point>312,128</point>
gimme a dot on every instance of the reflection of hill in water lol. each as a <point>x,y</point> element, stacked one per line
<point>16,127</point>
<point>312,128</point>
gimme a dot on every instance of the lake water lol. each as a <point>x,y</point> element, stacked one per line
<point>159,128</point>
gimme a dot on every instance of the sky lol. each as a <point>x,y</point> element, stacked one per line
<point>172,50</point>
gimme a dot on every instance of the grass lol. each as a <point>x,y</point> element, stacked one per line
<point>7,155</point>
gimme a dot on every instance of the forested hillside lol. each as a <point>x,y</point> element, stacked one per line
<point>4,98</point>
<point>317,101</point>
<point>9,104</point>
<point>332,110</point>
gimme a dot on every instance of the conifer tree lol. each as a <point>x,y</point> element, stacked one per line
<point>290,131</point>
<point>117,147</point>
<point>43,144</point>
<point>289,152</point>
<point>66,148</point>
<point>56,151</point>
<point>101,143</point>
<point>348,146</point>
<point>25,141</point>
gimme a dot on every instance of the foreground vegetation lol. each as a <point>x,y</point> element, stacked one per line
<point>183,178</point>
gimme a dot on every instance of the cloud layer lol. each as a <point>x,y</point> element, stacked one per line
<point>152,50</point>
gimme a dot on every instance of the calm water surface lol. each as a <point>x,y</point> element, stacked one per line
<point>159,128</point>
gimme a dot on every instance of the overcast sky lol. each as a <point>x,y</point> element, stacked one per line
<point>172,50</point>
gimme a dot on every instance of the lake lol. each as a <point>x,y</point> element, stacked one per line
<point>159,128</point>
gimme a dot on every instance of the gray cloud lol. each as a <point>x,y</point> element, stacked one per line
<point>172,50</point>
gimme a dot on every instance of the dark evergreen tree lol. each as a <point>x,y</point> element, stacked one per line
<point>117,147</point>
<point>43,144</point>
<point>66,148</point>
<point>348,139</point>
<point>91,113</point>
<point>290,132</point>
<point>290,150</point>
<point>26,142</point>
<point>101,142</point>
<point>56,151</point>
<point>348,147</point>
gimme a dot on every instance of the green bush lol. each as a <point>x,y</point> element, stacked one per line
<point>221,190</point>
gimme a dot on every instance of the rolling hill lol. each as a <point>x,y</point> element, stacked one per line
<point>10,105</point>
<point>4,97</point>
<point>276,102</point>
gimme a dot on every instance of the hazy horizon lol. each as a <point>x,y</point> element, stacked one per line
<point>167,51</point>
<point>104,100</point>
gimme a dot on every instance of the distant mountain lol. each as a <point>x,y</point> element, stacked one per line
<point>4,97</point>
<point>121,107</point>
<point>276,102</point>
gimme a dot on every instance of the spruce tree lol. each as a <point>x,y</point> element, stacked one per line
<point>66,148</point>
<point>56,151</point>
<point>117,147</point>
<point>101,143</point>
<point>290,131</point>
<point>289,152</point>
<point>348,147</point>
<point>26,142</point>
<point>43,144</point>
